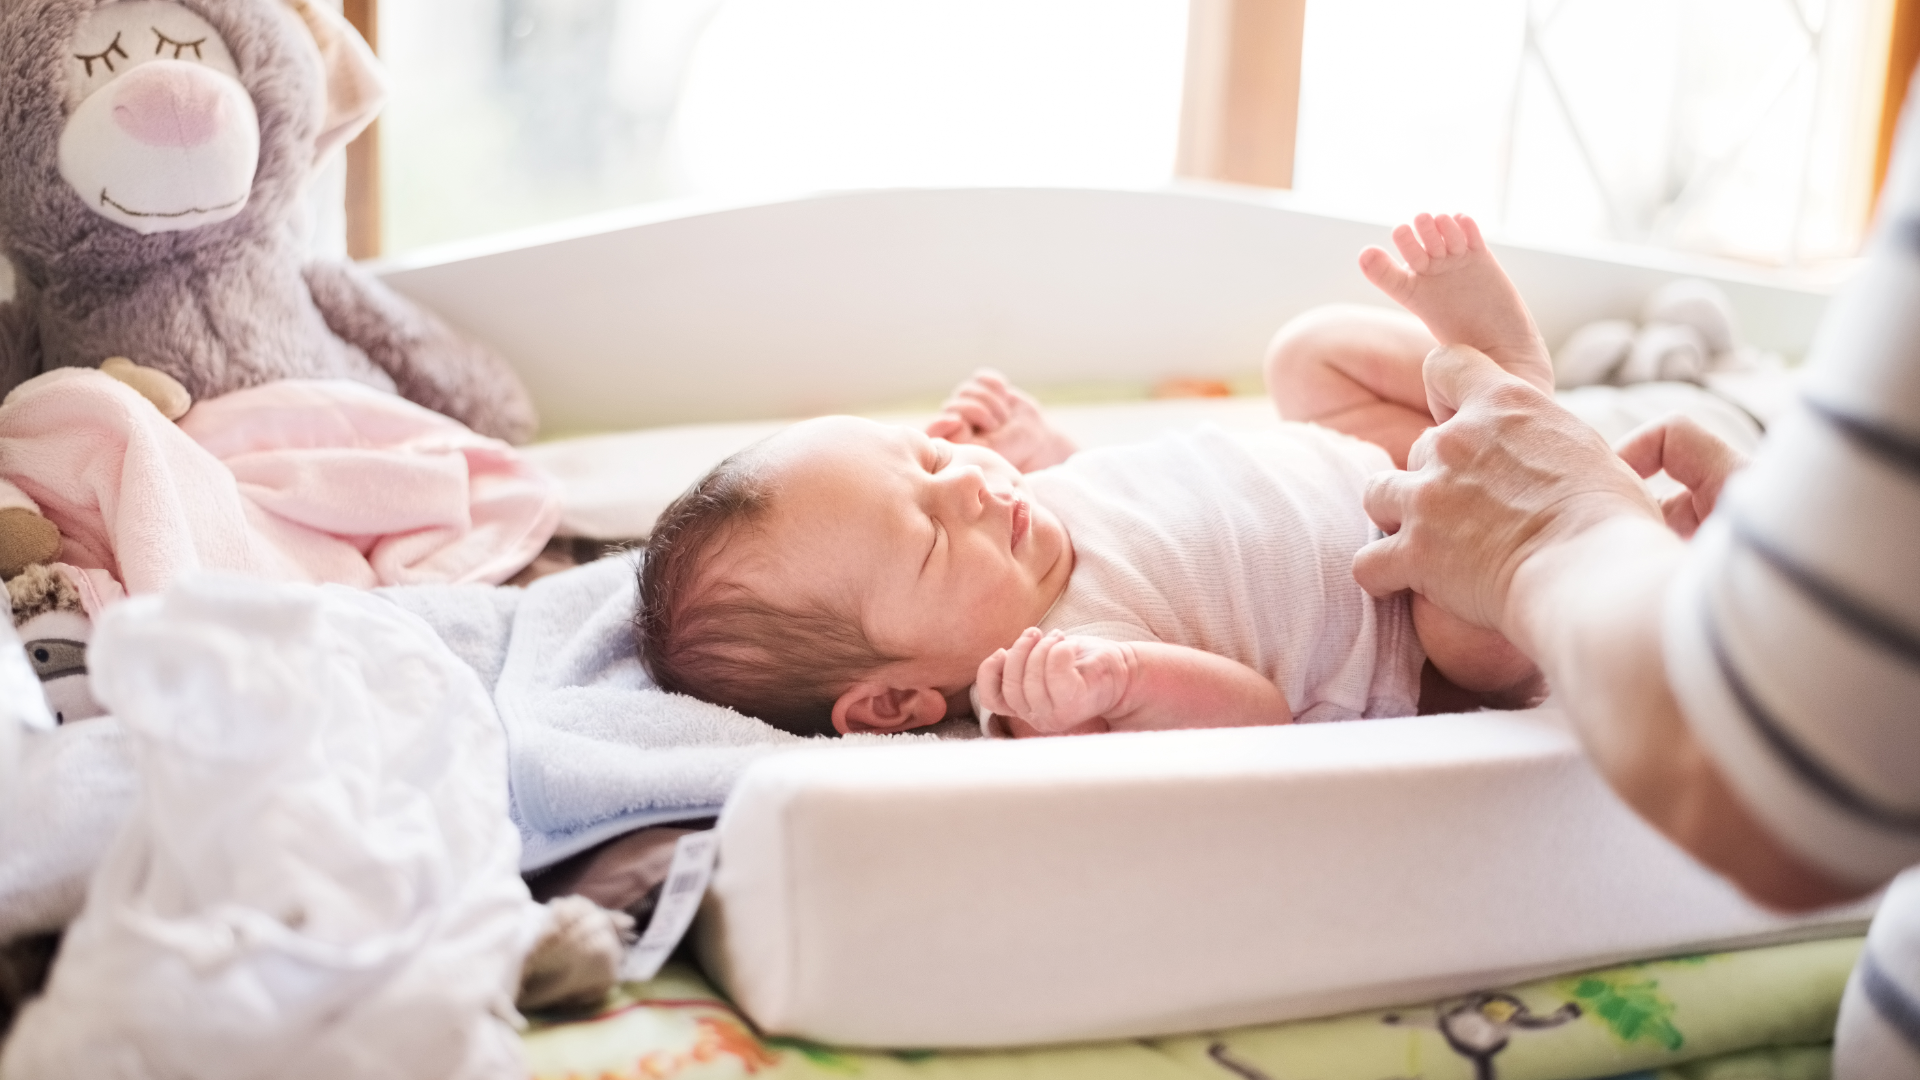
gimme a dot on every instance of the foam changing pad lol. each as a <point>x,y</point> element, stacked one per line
<point>1759,1014</point>
<point>1010,893</point>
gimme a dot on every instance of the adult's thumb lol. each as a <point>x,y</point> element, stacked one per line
<point>1381,567</point>
<point>1457,374</point>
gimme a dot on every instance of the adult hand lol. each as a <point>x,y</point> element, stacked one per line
<point>1693,456</point>
<point>1506,474</point>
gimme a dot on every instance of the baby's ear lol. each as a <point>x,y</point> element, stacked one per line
<point>872,708</point>
<point>356,83</point>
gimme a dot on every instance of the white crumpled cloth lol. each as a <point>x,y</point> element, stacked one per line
<point>318,879</point>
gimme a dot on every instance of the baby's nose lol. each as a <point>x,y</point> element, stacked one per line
<point>168,103</point>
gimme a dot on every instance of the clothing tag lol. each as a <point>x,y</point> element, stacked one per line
<point>680,895</point>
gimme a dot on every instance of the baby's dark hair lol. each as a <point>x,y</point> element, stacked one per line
<point>720,641</point>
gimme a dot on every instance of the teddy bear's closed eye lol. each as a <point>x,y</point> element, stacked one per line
<point>104,56</point>
<point>179,47</point>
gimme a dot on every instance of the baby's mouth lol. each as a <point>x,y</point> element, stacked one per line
<point>1022,523</point>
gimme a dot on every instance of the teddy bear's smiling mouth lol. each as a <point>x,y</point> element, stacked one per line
<point>130,212</point>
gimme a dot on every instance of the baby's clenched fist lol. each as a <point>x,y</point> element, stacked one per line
<point>1057,685</point>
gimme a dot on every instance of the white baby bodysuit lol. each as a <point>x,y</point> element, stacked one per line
<point>1240,545</point>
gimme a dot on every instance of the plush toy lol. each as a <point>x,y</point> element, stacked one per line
<point>152,208</point>
<point>48,616</point>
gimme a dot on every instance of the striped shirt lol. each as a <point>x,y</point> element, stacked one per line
<point>1792,635</point>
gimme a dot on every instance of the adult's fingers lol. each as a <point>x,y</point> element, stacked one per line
<point>1381,567</point>
<point>1458,374</point>
<point>1385,499</point>
<point>1682,512</point>
<point>1688,452</point>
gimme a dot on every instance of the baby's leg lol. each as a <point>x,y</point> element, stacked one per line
<point>1476,660</point>
<point>1355,369</point>
<point>1455,285</point>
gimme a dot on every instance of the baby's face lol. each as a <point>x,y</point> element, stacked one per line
<point>937,546</point>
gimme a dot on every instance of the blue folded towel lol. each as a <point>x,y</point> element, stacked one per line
<point>595,748</point>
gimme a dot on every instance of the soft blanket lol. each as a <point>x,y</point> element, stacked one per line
<point>300,480</point>
<point>317,879</point>
<point>1757,1014</point>
<point>594,747</point>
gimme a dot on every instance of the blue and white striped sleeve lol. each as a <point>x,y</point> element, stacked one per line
<point>1792,635</point>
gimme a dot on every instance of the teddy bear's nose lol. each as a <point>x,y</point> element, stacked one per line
<point>167,103</point>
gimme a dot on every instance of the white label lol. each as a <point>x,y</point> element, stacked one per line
<point>679,902</point>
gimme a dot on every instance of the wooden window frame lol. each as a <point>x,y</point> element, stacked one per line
<point>1240,109</point>
<point>1903,53</point>
<point>363,153</point>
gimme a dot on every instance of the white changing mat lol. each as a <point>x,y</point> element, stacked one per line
<point>1055,890</point>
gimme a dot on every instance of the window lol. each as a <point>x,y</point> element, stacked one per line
<point>1740,128</point>
<point>512,112</point>
<point>1736,128</point>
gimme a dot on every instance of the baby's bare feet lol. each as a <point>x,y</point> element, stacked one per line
<point>992,412</point>
<point>1454,284</point>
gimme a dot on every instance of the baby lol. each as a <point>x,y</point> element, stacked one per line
<point>849,576</point>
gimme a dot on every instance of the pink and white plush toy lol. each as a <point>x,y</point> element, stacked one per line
<point>152,207</point>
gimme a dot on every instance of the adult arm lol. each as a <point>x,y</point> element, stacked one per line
<point>1520,518</point>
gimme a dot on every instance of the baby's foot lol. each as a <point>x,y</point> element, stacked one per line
<point>992,412</point>
<point>1454,284</point>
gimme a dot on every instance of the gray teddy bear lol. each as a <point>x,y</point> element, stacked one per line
<point>152,208</point>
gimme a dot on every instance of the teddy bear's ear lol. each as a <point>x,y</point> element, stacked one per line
<point>356,83</point>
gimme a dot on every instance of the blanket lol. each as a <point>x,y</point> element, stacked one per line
<point>298,480</point>
<point>318,877</point>
<point>1755,1014</point>
<point>594,747</point>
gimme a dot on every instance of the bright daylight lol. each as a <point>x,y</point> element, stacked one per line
<point>803,539</point>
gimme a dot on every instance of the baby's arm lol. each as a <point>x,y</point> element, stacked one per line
<point>1052,684</point>
<point>992,412</point>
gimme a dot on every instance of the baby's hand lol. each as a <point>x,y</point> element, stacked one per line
<point>991,412</point>
<point>1055,683</point>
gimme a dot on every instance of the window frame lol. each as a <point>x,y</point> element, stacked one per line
<point>1240,102</point>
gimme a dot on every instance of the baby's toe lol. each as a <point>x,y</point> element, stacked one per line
<point>1428,229</point>
<point>1380,269</point>
<point>1410,248</point>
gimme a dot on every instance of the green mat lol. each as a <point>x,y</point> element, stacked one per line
<point>1755,1014</point>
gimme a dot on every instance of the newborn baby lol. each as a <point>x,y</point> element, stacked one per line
<point>850,576</point>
